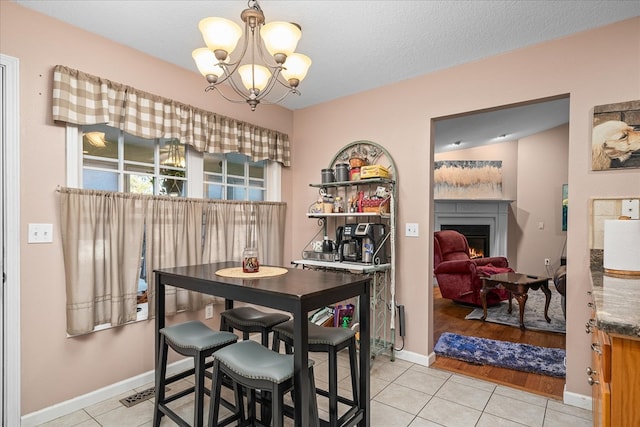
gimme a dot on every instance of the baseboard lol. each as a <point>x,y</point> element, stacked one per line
<point>575,399</point>
<point>418,358</point>
<point>67,407</point>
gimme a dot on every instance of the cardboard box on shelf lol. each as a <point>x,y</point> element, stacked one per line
<point>374,171</point>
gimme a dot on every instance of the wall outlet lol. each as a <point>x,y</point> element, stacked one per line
<point>208,311</point>
<point>631,208</point>
<point>547,261</point>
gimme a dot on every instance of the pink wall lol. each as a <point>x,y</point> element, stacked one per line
<point>56,368</point>
<point>542,169</point>
<point>399,117</point>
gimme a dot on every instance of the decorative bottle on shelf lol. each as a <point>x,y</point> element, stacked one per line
<point>338,205</point>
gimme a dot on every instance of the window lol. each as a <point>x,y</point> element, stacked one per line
<point>101,157</point>
<point>113,160</point>
<point>116,161</point>
<point>233,177</point>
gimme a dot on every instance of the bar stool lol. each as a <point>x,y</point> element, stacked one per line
<point>255,367</point>
<point>327,340</point>
<point>193,339</point>
<point>248,319</point>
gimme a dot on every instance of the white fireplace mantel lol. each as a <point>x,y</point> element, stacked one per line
<point>491,212</point>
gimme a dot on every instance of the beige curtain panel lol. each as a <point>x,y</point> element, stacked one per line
<point>102,241</point>
<point>83,99</point>
<point>101,237</point>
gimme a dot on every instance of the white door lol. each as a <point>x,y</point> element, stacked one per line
<point>10,238</point>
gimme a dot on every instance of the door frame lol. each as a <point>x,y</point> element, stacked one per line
<point>10,157</point>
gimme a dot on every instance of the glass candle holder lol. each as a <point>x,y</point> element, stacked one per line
<point>250,262</point>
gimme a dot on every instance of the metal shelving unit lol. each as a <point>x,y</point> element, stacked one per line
<point>383,275</point>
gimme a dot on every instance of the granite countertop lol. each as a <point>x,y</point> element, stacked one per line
<point>617,304</point>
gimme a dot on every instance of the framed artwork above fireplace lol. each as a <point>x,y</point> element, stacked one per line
<point>467,179</point>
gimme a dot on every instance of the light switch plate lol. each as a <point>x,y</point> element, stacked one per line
<point>631,208</point>
<point>40,233</point>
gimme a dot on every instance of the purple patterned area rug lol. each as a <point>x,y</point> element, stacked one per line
<point>503,354</point>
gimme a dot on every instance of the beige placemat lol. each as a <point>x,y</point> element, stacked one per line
<point>265,271</point>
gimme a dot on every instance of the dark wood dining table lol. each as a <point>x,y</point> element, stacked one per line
<point>298,292</point>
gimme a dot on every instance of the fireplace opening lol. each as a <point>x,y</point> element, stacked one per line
<point>477,236</point>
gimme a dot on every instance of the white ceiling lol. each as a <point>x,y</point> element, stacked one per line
<point>355,45</point>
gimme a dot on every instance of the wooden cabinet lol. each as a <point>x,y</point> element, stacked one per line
<point>615,379</point>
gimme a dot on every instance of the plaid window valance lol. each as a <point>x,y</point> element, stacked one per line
<point>82,99</point>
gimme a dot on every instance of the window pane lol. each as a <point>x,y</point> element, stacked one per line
<point>99,180</point>
<point>213,192</point>
<point>256,195</point>
<point>139,184</point>
<point>144,169</point>
<point>236,181</point>
<point>172,186</point>
<point>213,163</point>
<point>100,140</point>
<point>256,169</point>
<point>138,149</point>
<point>255,183</point>
<point>213,178</point>
<point>100,164</point>
<point>172,153</point>
<point>235,164</point>
<point>235,193</point>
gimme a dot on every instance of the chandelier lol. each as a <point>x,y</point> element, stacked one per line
<point>282,66</point>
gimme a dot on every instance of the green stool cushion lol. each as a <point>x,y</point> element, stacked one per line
<point>318,334</point>
<point>249,316</point>
<point>251,360</point>
<point>196,335</point>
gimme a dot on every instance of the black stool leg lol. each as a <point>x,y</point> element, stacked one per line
<point>160,381</point>
<point>199,389</point>
<point>353,361</point>
<point>333,387</point>
<point>216,386</point>
<point>313,402</point>
<point>265,338</point>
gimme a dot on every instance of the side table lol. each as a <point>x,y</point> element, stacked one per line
<point>518,285</point>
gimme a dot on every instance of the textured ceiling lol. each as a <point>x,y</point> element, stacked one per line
<point>355,45</point>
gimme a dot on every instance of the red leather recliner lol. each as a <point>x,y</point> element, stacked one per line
<point>460,277</point>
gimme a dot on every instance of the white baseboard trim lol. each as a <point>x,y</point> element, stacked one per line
<point>418,358</point>
<point>575,399</point>
<point>67,407</point>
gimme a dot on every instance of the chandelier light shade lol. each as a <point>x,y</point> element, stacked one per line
<point>220,34</point>
<point>266,59</point>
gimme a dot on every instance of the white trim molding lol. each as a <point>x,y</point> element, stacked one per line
<point>72,405</point>
<point>11,288</point>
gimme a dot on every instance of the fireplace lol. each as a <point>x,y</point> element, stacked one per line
<point>488,214</point>
<point>477,236</point>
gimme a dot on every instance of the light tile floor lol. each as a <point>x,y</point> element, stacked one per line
<point>402,394</point>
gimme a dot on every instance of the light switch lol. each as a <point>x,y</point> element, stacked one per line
<point>541,225</point>
<point>40,233</point>
<point>631,208</point>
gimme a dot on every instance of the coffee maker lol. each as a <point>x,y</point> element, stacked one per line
<point>349,247</point>
<point>372,238</point>
<point>362,243</point>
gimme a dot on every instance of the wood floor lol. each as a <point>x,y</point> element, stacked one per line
<point>449,317</point>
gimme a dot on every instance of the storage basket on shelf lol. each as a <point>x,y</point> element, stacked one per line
<point>380,206</point>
